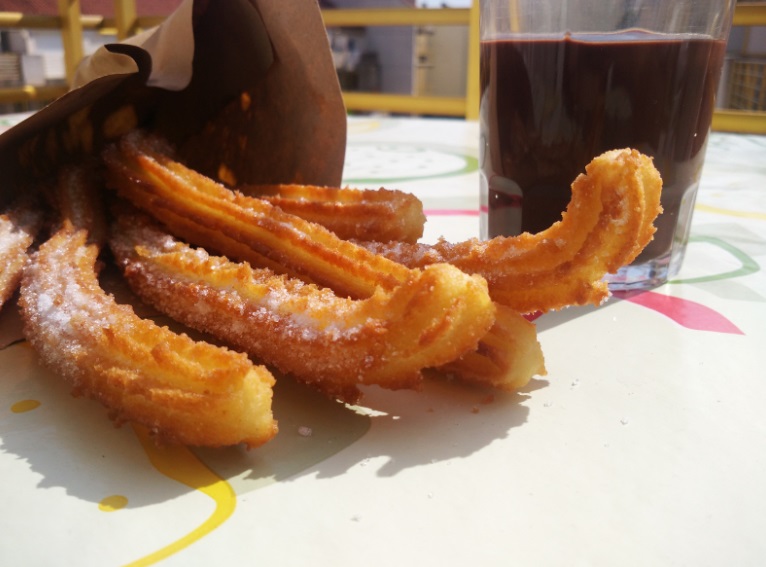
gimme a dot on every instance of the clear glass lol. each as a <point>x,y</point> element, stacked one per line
<point>563,81</point>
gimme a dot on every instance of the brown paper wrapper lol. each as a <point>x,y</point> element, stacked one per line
<point>246,89</point>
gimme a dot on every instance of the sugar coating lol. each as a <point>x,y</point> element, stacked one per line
<point>301,328</point>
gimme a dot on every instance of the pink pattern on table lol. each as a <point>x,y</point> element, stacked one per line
<point>689,314</point>
<point>686,313</point>
<point>451,212</point>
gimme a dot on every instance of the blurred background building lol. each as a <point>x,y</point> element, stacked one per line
<point>35,56</point>
<point>422,60</point>
<point>743,86</point>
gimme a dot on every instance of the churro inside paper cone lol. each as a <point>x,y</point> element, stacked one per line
<point>246,89</point>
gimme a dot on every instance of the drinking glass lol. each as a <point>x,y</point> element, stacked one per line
<point>563,81</point>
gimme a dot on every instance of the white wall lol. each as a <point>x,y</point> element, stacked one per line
<point>394,46</point>
<point>756,42</point>
<point>449,59</point>
<point>440,3</point>
<point>47,45</point>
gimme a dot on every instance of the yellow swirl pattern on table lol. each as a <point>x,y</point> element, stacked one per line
<point>731,213</point>
<point>25,406</point>
<point>113,503</point>
<point>363,126</point>
<point>181,465</point>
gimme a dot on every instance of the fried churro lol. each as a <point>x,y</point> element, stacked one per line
<point>208,214</point>
<point>381,215</point>
<point>182,390</point>
<point>18,228</point>
<point>332,343</point>
<point>608,222</point>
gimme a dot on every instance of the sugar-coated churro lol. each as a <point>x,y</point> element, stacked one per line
<point>182,390</point>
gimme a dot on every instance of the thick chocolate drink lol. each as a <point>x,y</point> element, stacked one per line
<point>552,105</point>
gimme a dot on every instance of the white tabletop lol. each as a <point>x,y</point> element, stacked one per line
<point>645,445</point>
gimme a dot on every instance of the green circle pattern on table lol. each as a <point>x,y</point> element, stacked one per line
<point>381,162</point>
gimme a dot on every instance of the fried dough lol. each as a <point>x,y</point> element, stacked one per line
<point>18,228</point>
<point>608,222</point>
<point>208,214</point>
<point>182,390</point>
<point>333,343</point>
<point>382,215</point>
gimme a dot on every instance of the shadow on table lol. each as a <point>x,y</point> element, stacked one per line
<point>60,441</point>
<point>557,318</point>
<point>70,443</point>
<point>443,421</point>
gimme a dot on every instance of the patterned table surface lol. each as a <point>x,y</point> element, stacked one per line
<point>644,445</point>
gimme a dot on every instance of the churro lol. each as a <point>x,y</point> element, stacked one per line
<point>182,390</point>
<point>608,222</point>
<point>18,228</point>
<point>335,344</point>
<point>382,215</point>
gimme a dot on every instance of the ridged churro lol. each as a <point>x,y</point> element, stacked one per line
<point>208,214</point>
<point>182,390</point>
<point>335,344</point>
<point>18,228</point>
<point>382,215</point>
<point>608,222</point>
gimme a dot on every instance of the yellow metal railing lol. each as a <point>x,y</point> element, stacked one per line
<point>27,93</point>
<point>126,23</point>
<point>395,17</point>
<point>746,14</point>
<point>750,14</point>
<point>745,121</point>
<point>467,106</point>
<point>71,22</point>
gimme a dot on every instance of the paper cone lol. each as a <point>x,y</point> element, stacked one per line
<point>246,89</point>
